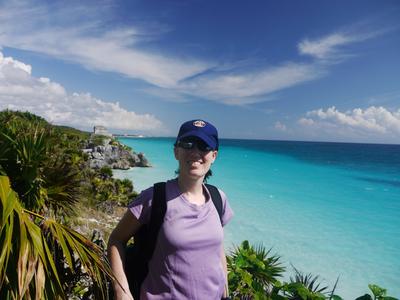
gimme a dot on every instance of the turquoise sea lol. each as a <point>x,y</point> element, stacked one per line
<point>331,209</point>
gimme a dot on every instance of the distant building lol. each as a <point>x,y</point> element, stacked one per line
<point>101,130</point>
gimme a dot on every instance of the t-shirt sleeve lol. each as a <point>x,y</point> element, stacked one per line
<point>140,207</point>
<point>227,212</point>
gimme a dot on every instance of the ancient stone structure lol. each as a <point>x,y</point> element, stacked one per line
<point>101,130</point>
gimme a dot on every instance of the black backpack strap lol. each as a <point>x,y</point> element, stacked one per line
<point>158,209</point>
<point>139,254</point>
<point>216,199</point>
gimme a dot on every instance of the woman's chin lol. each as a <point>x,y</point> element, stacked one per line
<point>195,173</point>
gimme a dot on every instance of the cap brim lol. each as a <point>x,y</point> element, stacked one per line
<point>205,138</point>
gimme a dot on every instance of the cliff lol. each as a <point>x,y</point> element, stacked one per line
<point>113,154</point>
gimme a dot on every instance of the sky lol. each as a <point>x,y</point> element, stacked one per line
<point>276,70</point>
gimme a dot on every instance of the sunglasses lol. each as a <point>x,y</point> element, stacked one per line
<point>188,145</point>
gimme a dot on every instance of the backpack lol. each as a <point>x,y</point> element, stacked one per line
<point>138,254</point>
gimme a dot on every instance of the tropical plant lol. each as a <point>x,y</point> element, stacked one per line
<point>304,286</point>
<point>44,174</point>
<point>99,140</point>
<point>378,293</point>
<point>31,246</point>
<point>295,290</point>
<point>252,271</point>
<point>62,180</point>
<point>106,172</point>
<point>106,191</point>
<point>23,148</point>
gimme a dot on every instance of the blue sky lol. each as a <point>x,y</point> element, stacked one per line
<point>287,70</point>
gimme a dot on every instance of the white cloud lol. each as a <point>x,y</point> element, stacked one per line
<point>280,126</point>
<point>76,33</point>
<point>373,122</point>
<point>306,121</point>
<point>329,46</point>
<point>60,32</point>
<point>19,90</point>
<point>244,88</point>
<point>82,33</point>
<point>323,47</point>
<point>238,88</point>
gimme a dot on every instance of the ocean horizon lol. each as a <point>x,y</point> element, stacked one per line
<point>141,136</point>
<point>330,209</point>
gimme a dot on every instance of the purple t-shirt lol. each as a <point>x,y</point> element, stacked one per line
<point>186,263</point>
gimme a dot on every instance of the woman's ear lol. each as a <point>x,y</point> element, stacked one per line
<point>215,154</point>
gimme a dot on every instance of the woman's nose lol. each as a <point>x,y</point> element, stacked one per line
<point>195,151</point>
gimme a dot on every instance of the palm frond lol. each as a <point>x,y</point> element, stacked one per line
<point>45,174</point>
<point>252,270</point>
<point>31,248</point>
<point>309,281</point>
<point>304,286</point>
<point>24,147</point>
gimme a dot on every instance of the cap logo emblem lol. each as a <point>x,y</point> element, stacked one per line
<point>199,123</point>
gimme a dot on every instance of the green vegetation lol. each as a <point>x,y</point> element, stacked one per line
<point>378,293</point>
<point>102,191</point>
<point>44,179</point>
<point>48,169</point>
<point>98,140</point>
<point>39,253</point>
<point>253,273</point>
<point>42,171</point>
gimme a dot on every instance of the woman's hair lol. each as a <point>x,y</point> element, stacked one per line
<point>208,175</point>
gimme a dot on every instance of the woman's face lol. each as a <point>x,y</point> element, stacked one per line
<point>194,163</point>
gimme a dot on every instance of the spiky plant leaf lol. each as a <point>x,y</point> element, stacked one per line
<point>252,270</point>
<point>310,281</point>
<point>28,242</point>
<point>364,297</point>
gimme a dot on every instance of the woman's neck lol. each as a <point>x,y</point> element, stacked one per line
<point>192,189</point>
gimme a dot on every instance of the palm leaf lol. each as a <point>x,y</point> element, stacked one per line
<point>28,242</point>
<point>43,173</point>
<point>252,270</point>
<point>309,281</point>
<point>304,286</point>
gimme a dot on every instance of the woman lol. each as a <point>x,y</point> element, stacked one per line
<point>188,260</point>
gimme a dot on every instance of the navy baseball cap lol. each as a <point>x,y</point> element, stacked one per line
<point>200,129</point>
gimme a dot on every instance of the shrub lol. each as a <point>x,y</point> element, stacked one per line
<point>252,271</point>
